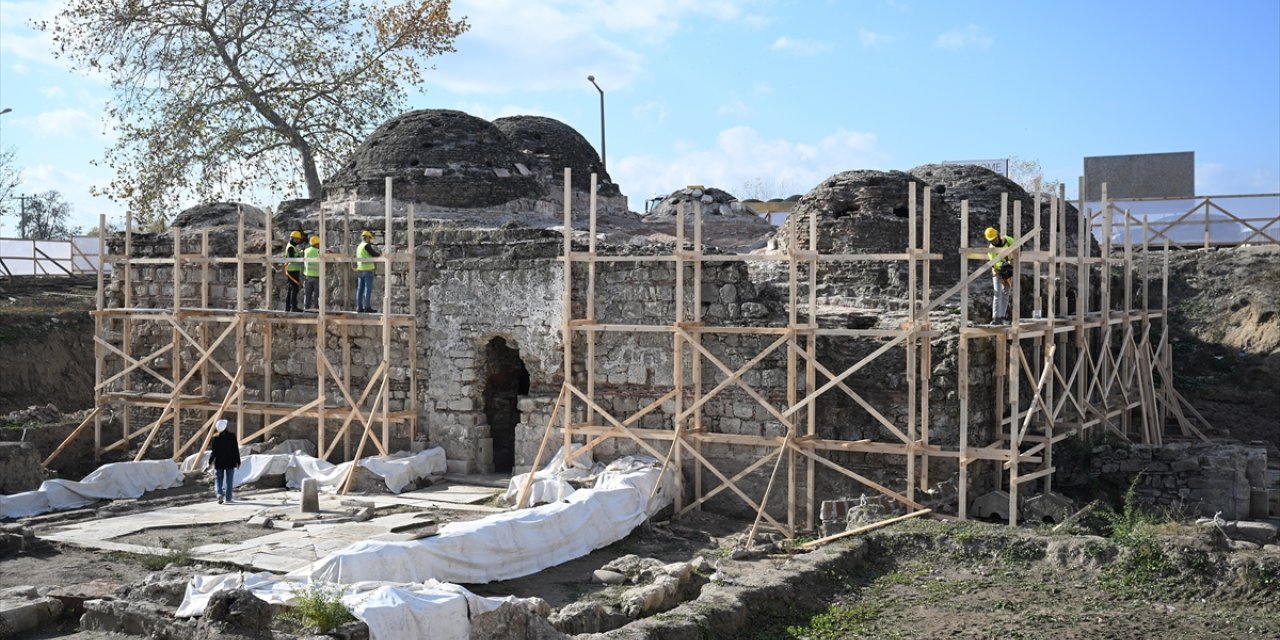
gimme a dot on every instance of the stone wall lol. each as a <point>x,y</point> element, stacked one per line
<point>477,285</point>
<point>1200,479</point>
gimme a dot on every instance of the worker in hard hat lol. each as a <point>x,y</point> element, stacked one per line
<point>311,269</point>
<point>1001,275</point>
<point>293,272</point>
<point>365,269</point>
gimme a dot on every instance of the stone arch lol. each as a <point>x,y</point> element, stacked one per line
<point>505,379</point>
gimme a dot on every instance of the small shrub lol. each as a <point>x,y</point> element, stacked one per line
<point>1262,576</point>
<point>1143,561</point>
<point>320,608</point>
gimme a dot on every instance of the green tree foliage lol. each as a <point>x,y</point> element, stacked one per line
<point>215,97</point>
<point>44,217</point>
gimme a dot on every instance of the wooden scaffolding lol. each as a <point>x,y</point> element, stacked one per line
<point>1102,364</point>
<point>219,351</point>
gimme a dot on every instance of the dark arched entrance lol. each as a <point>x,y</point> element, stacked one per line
<point>505,380</point>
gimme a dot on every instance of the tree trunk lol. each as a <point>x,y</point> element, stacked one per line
<point>314,186</point>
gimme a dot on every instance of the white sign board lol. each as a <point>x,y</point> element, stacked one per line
<point>1000,166</point>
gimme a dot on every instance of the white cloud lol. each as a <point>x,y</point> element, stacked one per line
<point>740,154</point>
<point>53,93</point>
<point>735,107</point>
<point>66,122</point>
<point>967,37</point>
<point>655,111</point>
<point>799,47</point>
<point>20,69</point>
<point>20,40</point>
<point>762,88</point>
<point>515,45</point>
<point>870,39</point>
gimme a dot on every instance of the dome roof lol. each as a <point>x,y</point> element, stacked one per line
<point>549,146</point>
<point>983,187</point>
<point>217,214</point>
<point>440,157</point>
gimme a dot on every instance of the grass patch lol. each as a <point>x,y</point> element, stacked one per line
<point>319,608</point>
<point>177,552</point>
<point>839,621</point>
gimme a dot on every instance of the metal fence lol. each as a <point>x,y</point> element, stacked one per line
<point>21,257</point>
<point>1188,223</point>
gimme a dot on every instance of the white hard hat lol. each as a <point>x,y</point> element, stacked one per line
<point>221,426</point>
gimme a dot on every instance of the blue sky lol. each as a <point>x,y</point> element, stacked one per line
<point>722,92</point>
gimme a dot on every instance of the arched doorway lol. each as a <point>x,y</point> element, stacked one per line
<point>505,380</point>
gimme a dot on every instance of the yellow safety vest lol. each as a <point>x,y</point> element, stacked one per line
<point>291,251</point>
<point>362,251</point>
<point>312,267</point>
<point>991,255</point>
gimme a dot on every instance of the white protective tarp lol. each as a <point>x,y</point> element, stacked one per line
<point>512,544</point>
<point>550,484</point>
<point>397,470</point>
<point>431,609</point>
<point>118,480</point>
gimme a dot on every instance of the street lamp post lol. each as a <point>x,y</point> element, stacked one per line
<point>604,155</point>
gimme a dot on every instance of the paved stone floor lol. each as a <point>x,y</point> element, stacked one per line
<point>277,551</point>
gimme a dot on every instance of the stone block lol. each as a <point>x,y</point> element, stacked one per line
<point>22,615</point>
<point>1256,532</point>
<point>310,496</point>
<point>606,576</point>
<point>260,521</point>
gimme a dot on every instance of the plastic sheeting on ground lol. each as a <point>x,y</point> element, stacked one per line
<point>392,611</point>
<point>512,544</point>
<point>109,482</point>
<point>550,484</point>
<point>397,470</point>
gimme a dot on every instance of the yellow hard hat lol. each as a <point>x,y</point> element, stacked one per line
<point>991,233</point>
<point>296,235</point>
<point>366,234</point>
<point>315,241</point>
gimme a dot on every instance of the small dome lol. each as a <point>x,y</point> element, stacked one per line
<point>549,146</point>
<point>217,214</point>
<point>715,202</point>
<point>436,156</point>
<point>983,187</point>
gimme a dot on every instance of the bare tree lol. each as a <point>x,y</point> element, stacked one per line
<point>1025,172</point>
<point>214,97</point>
<point>44,217</point>
<point>762,188</point>
<point>10,178</point>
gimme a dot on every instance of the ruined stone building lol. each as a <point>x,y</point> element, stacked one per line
<point>488,287</point>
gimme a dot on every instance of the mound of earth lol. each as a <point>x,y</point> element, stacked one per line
<point>1224,310</point>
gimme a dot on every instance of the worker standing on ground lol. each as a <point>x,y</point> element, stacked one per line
<point>311,269</point>
<point>1001,275</point>
<point>224,455</point>
<point>293,272</point>
<point>364,271</point>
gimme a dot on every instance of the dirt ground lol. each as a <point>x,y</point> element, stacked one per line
<point>920,579</point>
<point>942,580</point>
